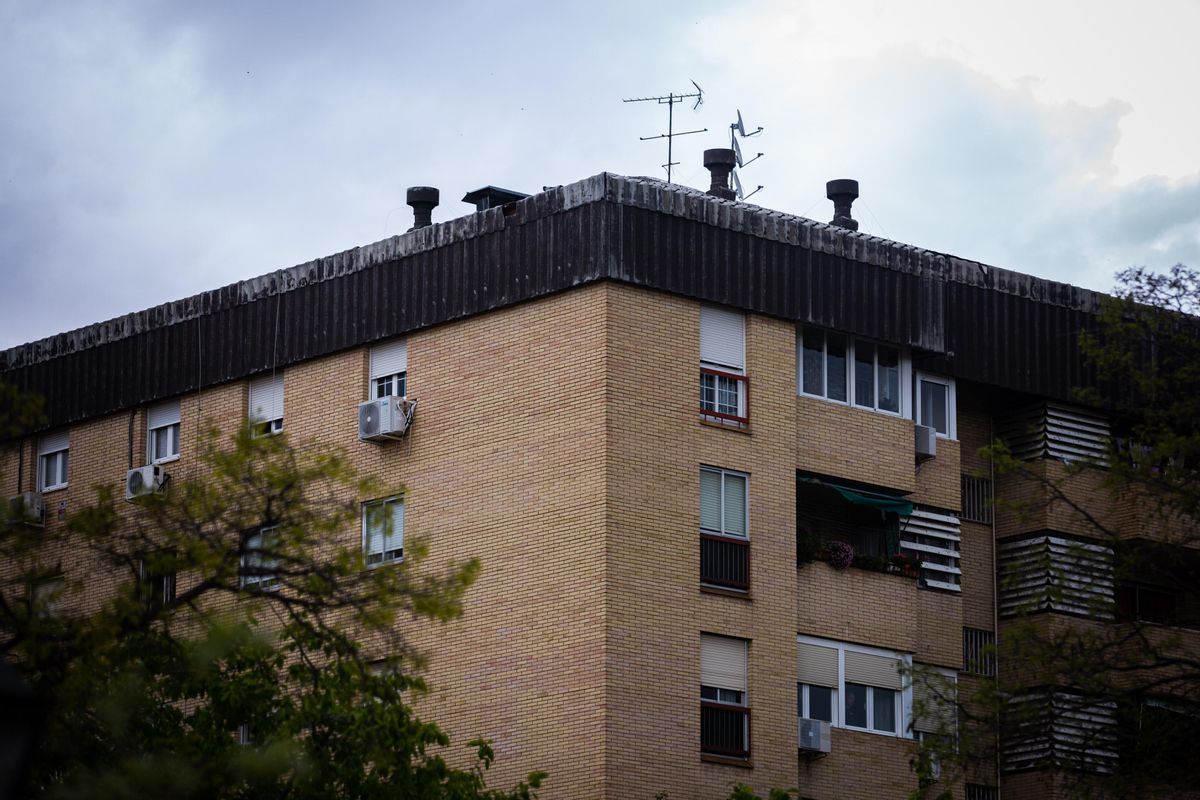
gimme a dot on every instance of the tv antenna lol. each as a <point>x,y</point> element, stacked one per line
<point>669,100</point>
<point>738,129</point>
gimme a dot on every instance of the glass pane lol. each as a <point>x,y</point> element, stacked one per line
<point>933,406</point>
<point>402,384</point>
<point>395,537</point>
<point>885,710</point>
<point>49,471</point>
<point>710,500</point>
<point>812,362</point>
<point>856,705</point>
<point>708,392</point>
<point>735,505</point>
<point>820,703</point>
<point>864,374</point>
<point>835,362</point>
<point>708,693</point>
<point>889,379</point>
<point>727,396</point>
<point>383,386</point>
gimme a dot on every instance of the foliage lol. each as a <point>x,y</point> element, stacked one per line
<point>840,555</point>
<point>286,637</point>
<point>743,791</point>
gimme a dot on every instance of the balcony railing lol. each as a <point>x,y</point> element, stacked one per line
<point>725,561</point>
<point>724,729</point>
<point>724,397</point>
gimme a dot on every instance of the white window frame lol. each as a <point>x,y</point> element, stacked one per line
<point>904,366</point>
<point>951,403</point>
<point>730,698</point>
<point>265,581</point>
<point>806,705</point>
<point>388,366</point>
<point>903,695</point>
<point>168,418</point>
<point>54,449</point>
<point>745,503</point>
<point>383,504</point>
<point>733,366</point>
<point>272,424</point>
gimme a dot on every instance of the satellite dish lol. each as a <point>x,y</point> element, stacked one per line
<point>741,128</point>
<point>737,183</point>
<point>737,152</point>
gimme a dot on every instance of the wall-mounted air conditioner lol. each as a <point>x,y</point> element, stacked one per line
<point>145,480</point>
<point>814,735</point>
<point>926,442</point>
<point>385,418</point>
<point>26,508</point>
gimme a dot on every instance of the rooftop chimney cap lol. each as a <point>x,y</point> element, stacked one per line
<point>720,161</point>
<point>491,197</point>
<point>423,200</point>
<point>843,192</point>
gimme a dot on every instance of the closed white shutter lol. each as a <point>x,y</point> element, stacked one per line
<point>818,665</point>
<point>735,505</point>
<point>266,398</point>
<point>723,338</point>
<point>53,442</point>
<point>723,662</point>
<point>163,414</point>
<point>872,670</point>
<point>710,500</point>
<point>389,359</point>
<point>934,702</point>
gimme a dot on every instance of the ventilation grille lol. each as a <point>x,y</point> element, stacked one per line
<point>933,536</point>
<point>977,791</point>
<point>1057,730</point>
<point>977,499</point>
<point>1051,573</point>
<point>979,652</point>
<point>1053,430</point>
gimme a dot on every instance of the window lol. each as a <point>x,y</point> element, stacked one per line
<point>258,562</point>
<point>977,499</point>
<point>1147,603</point>
<point>53,452</point>
<point>979,652</point>
<point>266,404</point>
<point>383,531</point>
<point>46,596</point>
<point>723,386</point>
<point>162,440</point>
<point>853,687</point>
<point>936,405</point>
<point>724,713</point>
<point>979,791</point>
<point>389,369</point>
<point>843,369</point>
<point>934,703</point>
<point>724,529</point>
<point>157,583</point>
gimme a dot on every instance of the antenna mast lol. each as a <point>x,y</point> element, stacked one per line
<point>669,100</point>
<point>738,129</point>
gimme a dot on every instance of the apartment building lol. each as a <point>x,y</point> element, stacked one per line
<point>720,464</point>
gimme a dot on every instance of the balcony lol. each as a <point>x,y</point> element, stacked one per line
<point>724,397</point>
<point>725,562</point>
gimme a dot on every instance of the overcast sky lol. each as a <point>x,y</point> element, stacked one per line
<point>152,150</point>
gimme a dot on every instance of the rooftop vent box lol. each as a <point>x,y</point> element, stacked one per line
<point>384,418</point>
<point>814,735</point>
<point>926,442</point>
<point>26,508</point>
<point>142,481</point>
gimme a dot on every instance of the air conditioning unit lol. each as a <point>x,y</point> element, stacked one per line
<point>385,418</point>
<point>814,735</point>
<point>144,480</point>
<point>926,443</point>
<point>26,508</point>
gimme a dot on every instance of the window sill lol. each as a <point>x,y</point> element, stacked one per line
<point>712,423</point>
<point>56,488</point>
<point>740,594</point>
<point>166,460</point>
<point>728,761</point>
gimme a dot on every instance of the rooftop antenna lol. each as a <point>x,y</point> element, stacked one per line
<point>669,100</point>
<point>737,129</point>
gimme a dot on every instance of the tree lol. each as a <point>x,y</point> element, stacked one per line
<point>234,652</point>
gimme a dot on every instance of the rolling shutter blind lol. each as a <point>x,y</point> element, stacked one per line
<point>735,505</point>
<point>389,359</point>
<point>163,414</point>
<point>53,442</point>
<point>934,700</point>
<point>818,665</point>
<point>379,539</point>
<point>266,398</point>
<point>722,337</point>
<point>723,662</point>
<point>710,500</point>
<point>872,670</point>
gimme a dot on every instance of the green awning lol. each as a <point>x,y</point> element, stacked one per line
<point>862,497</point>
